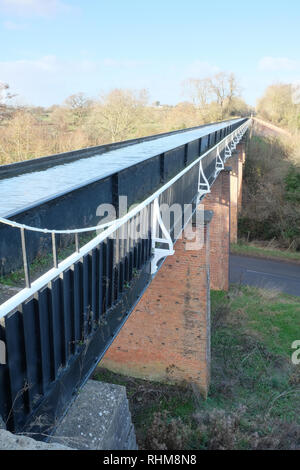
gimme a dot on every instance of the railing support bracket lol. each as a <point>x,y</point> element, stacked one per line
<point>159,253</point>
<point>219,164</point>
<point>203,184</point>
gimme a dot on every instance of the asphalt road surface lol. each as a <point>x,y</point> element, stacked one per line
<point>265,273</point>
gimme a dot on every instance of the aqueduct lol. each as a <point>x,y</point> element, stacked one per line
<point>139,303</point>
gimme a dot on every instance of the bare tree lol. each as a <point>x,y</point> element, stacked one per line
<point>79,104</point>
<point>279,106</point>
<point>5,96</point>
<point>233,88</point>
<point>198,89</point>
<point>120,113</point>
<point>224,88</point>
<point>211,93</point>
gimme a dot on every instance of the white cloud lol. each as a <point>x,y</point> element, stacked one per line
<point>34,7</point>
<point>12,26</point>
<point>125,63</point>
<point>48,80</point>
<point>281,64</point>
<point>49,65</point>
<point>200,69</point>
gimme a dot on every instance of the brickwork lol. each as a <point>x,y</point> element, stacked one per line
<point>167,336</point>
<point>234,163</point>
<point>219,202</point>
<point>241,161</point>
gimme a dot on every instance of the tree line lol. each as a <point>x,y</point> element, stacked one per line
<point>271,205</point>
<point>280,105</point>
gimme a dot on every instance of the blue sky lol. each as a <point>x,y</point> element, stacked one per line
<point>53,48</point>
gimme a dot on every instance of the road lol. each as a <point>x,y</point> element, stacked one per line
<point>265,273</point>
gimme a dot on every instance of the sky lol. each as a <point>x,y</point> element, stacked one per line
<point>50,49</point>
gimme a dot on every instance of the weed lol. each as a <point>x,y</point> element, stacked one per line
<point>166,433</point>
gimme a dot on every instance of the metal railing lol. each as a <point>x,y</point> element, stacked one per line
<point>58,327</point>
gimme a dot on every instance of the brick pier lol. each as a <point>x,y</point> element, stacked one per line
<point>219,202</point>
<point>167,336</point>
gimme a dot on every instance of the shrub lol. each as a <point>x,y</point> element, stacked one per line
<point>166,433</point>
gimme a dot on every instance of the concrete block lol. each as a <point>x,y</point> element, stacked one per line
<point>99,419</point>
<point>9,441</point>
<point>2,424</point>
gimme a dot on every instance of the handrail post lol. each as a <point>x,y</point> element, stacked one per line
<point>54,251</point>
<point>25,259</point>
<point>77,246</point>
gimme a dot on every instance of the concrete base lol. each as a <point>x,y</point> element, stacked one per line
<point>2,424</point>
<point>9,441</point>
<point>99,419</point>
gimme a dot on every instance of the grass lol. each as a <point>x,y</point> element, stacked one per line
<point>17,278</point>
<point>271,316</point>
<point>254,399</point>
<point>252,249</point>
<point>42,263</point>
